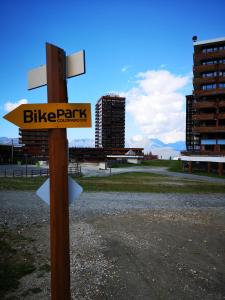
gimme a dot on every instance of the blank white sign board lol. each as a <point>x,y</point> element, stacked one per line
<point>75,65</point>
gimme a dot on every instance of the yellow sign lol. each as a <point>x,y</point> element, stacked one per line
<point>51,115</point>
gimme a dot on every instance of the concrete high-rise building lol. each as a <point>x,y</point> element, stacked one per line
<point>110,122</point>
<point>35,143</point>
<point>205,119</point>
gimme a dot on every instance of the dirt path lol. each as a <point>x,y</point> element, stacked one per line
<point>126,246</point>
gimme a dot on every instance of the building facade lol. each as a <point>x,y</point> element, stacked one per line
<point>35,143</point>
<point>110,122</point>
<point>77,154</point>
<point>205,108</point>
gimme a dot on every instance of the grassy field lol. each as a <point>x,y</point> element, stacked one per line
<point>172,165</point>
<point>15,262</point>
<point>147,182</point>
<point>21,183</point>
<point>126,182</point>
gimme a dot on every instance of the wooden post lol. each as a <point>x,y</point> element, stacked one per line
<point>190,167</point>
<point>58,162</point>
<point>209,167</point>
<point>220,169</point>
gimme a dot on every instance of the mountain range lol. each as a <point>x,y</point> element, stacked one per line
<point>9,141</point>
<point>82,143</point>
<point>178,146</point>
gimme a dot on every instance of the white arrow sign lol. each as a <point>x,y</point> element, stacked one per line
<point>75,65</point>
<point>74,190</point>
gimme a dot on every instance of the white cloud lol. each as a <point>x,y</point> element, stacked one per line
<point>156,104</point>
<point>8,106</point>
<point>138,141</point>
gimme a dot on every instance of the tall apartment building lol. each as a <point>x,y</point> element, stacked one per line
<point>35,143</point>
<point>110,122</point>
<point>205,118</point>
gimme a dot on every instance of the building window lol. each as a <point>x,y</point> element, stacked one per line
<point>209,74</point>
<point>222,85</point>
<point>207,87</point>
<point>210,62</point>
<point>221,73</point>
<point>213,49</point>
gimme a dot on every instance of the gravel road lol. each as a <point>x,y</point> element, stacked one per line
<point>127,245</point>
<point>18,207</point>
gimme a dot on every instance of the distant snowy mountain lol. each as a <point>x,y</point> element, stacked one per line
<point>155,143</point>
<point>82,143</point>
<point>9,141</point>
<point>157,147</point>
<point>165,153</point>
<point>179,146</point>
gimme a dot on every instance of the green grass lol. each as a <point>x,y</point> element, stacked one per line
<point>127,182</point>
<point>213,175</point>
<point>146,182</point>
<point>172,165</point>
<point>21,183</point>
<point>157,163</point>
<point>15,262</point>
<point>175,166</point>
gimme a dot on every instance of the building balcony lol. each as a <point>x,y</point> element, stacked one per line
<point>26,139</point>
<point>221,104</point>
<point>212,92</point>
<point>198,81</point>
<point>204,104</point>
<point>221,116</point>
<point>203,117</point>
<point>210,55</point>
<point>204,80</point>
<point>204,129</point>
<point>199,69</point>
<point>205,68</point>
<point>203,152</point>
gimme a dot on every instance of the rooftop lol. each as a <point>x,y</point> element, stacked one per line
<point>209,41</point>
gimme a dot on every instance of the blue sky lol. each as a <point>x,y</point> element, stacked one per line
<point>140,49</point>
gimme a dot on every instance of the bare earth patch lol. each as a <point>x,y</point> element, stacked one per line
<point>123,246</point>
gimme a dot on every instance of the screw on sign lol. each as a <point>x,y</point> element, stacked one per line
<point>57,115</point>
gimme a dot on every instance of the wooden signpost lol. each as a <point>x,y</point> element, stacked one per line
<point>56,115</point>
<point>58,163</point>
